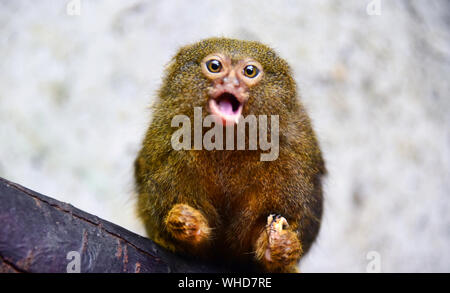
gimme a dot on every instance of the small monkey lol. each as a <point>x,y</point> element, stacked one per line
<point>229,204</point>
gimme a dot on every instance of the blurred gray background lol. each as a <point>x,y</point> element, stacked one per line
<point>75,92</point>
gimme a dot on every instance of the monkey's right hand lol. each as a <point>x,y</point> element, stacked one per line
<point>187,225</point>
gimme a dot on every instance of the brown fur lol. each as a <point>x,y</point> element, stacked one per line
<point>232,193</point>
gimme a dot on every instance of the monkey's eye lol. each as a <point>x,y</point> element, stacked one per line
<point>251,71</point>
<point>214,66</point>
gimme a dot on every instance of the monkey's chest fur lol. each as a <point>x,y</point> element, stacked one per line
<point>234,190</point>
<point>244,190</point>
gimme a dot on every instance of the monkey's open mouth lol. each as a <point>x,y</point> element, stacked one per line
<point>227,107</point>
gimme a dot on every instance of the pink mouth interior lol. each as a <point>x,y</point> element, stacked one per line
<point>227,108</point>
<point>228,104</point>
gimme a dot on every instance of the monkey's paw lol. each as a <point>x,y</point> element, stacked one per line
<point>187,225</point>
<point>278,248</point>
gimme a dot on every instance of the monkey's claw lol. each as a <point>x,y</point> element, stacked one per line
<point>278,248</point>
<point>187,224</point>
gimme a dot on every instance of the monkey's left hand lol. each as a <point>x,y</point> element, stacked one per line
<point>278,248</point>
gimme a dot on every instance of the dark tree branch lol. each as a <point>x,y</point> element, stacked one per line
<point>38,232</point>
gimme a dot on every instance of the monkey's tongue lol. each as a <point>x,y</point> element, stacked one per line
<point>226,107</point>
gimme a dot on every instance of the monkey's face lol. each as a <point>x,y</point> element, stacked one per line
<point>229,78</point>
<point>231,81</point>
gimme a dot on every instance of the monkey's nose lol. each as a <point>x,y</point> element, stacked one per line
<point>231,79</point>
